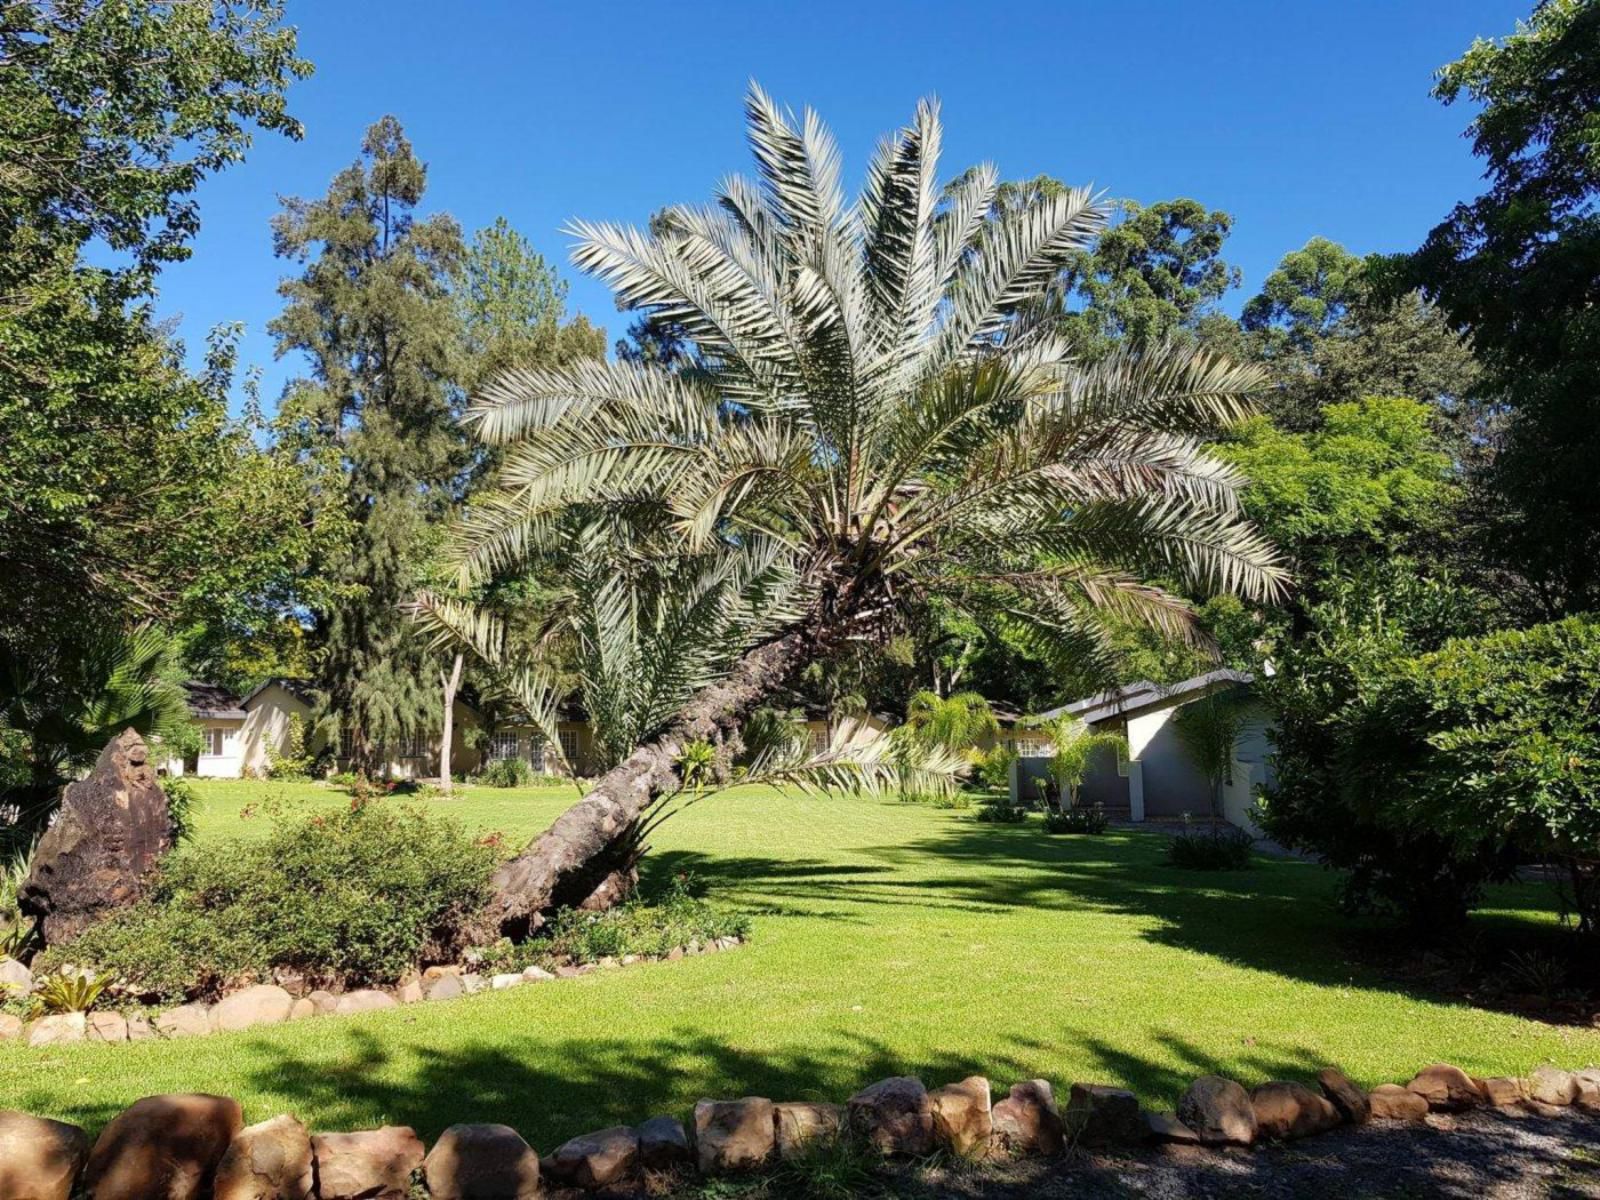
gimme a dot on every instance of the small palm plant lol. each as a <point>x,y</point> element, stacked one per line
<point>957,723</point>
<point>1209,729</point>
<point>68,991</point>
<point>1075,745</point>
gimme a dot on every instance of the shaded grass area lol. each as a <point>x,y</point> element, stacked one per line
<point>887,939</point>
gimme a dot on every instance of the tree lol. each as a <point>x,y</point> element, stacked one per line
<point>1519,268</point>
<point>1209,729</point>
<point>1074,746</point>
<point>374,423</point>
<point>869,402</point>
<point>956,723</point>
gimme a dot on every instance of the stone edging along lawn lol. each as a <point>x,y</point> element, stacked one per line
<point>269,1004</point>
<point>196,1147</point>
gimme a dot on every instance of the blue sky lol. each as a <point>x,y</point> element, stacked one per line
<point>1299,117</point>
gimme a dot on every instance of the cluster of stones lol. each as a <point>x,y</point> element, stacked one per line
<point>269,1004</point>
<point>195,1147</point>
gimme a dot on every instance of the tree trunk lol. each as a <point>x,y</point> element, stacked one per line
<point>451,682</point>
<point>582,859</point>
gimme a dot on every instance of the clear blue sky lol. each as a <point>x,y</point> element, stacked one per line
<point>1299,117</point>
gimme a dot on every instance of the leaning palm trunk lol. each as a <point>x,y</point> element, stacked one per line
<point>878,409</point>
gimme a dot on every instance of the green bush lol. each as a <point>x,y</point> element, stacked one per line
<point>1089,819</point>
<point>1221,848</point>
<point>993,767</point>
<point>506,773</point>
<point>1002,812</point>
<point>181,799</point>
<point>353,898</point>
<point>294,760</point>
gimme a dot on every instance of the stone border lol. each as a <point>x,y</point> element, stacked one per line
<point>196,1147</point>
<point>270,1004</point>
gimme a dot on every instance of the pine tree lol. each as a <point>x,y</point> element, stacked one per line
<point>375,422</point>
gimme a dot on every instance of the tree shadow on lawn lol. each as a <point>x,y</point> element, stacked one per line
<point>1278,916</point>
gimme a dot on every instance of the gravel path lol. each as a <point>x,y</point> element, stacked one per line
<point>1481,1156</point>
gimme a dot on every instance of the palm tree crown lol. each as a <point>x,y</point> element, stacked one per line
<point>868,394</point>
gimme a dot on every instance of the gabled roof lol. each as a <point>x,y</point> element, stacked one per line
<point>1133,696</point>
<point>214,701</point>
<point>300,689</point>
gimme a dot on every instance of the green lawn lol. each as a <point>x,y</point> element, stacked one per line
<point>889,939</point>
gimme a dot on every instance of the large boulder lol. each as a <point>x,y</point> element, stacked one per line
<point>39,1159</point>
<point>1446,1088</point>
<point>1219,1111</point>
<point>267,1161</point>
<point>113,827</point>
<point>163,1146</point>
<point>264,1004</point>
<point>806,1123</point>
<point>961,1116</point>
<point>733,1135</point>
<point>1291,1110</point>
<point>894,1115</point>
<point>1028,1121</point>
<point>597,1160</point>
<point>1105,1116</point>
<point>373,1165</point>
<point>481,1162</point>
<point>1345,1096</point>
<point>1552,1085</point>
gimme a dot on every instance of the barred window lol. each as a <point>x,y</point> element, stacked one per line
<point>503,746</point>
<point>569,746</point>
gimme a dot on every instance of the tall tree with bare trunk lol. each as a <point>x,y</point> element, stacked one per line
<point>870,401</point>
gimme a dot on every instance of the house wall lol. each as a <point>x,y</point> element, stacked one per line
<point>266,725</point>
<point>578,732</point>
<point>228,764</point>
<point>850,732</point>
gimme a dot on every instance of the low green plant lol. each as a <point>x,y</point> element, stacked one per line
<point>1090,819</point>
<point>993,767</point>
<point>1537,973</point>
<point>294,760</point>
<point>1219,848</point>
<point>506,773</point>
<point>354,897</point>
<point>842,1168</point>
<point>1002,812</point>
<point>181,802</point>
<point>68,992</point>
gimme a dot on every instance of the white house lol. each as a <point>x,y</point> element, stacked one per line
<point>1159,780</point>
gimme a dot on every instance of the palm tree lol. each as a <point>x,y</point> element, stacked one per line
<point>956,723</point>
<point>869,395</point>
<point>1209,729</point>
<point>1075,745</point>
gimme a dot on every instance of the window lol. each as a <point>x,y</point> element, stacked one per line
<point>536,751</point>
<point>347,744</point>
<point>569,747</point>
<point>213,739</point>
<point>502,746</point>
<point>820,740</point>
<point>418,745</point>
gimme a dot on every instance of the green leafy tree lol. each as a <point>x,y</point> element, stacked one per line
<point>1518,268</point>
<point>1074,748</point>
<point>374,423</point>
<point>1209,729</point>
<point>865,397</point>
<point>957,723</point>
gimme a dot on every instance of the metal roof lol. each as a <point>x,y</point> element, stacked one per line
<point>211,700</point>
<point>1144,694</point>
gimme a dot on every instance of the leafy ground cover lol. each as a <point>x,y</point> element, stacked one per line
<point>886,939</point>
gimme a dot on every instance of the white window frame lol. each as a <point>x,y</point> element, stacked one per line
<point>213,741</point>
<point>569,746</point>
<point>503,745</point>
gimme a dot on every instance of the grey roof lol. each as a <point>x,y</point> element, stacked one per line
<point>1144,694</point>
<point>211,700</point>
<point>300,689</point>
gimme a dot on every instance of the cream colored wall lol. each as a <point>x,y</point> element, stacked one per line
<point>267,725</point>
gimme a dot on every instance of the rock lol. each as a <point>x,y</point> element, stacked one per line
<point>733,1135</point>
<point>961,1119</point>
<point>267,1161</point>
<point>1291,1110</point>
<point>536,975</point>
<point>374,1165</point>
<point>1446,1088</point>
<point>1392,1102</point>
<point>1165,1127</point>
<point>113,827</point>
<point>481,1162</point>
<point>445,987</point>
<point>39,1159</point>
<point>597,1160</point>
<point>1345,1096</point>
<point>15,975</point>
<point>894,1115</point>
<point>107,1027</point>
<point>10,1027</point>
<point>501,982</point>
<point>303,1008</point>
<point>438,972</point>
<point>409,992</point>
<point>1551,1085</point>
<point>325,1002</point>
<point>140,1029</point>
<point>1219,1111</point>
<point>804,1123</point>
<point>663,1143</point>
<point>264,1004</point>
<point>1027,1121</point>
<point>1588,1089</point>
<point>163,1146</point>
<point>58,1029</point>
<point>472,984</point>
<point>187,1020</point>
<point>1502,1091</point>
<point>567,971</point>
<point>366,1000</point>
<point>1104,1116</point>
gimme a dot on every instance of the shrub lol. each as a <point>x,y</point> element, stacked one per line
<point>294,760</point>
<point>506,773</point>
<point>1002,812</point>
<point>1221,848</point>
<point>993,767</point>
<point>352,898</point>
<point>1089,819</point>
<point>68,992</point>
<point>181,799</point>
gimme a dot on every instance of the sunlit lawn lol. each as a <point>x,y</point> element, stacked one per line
<point>889,939</point>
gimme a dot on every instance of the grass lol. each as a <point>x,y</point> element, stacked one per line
<point>888,939</point>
